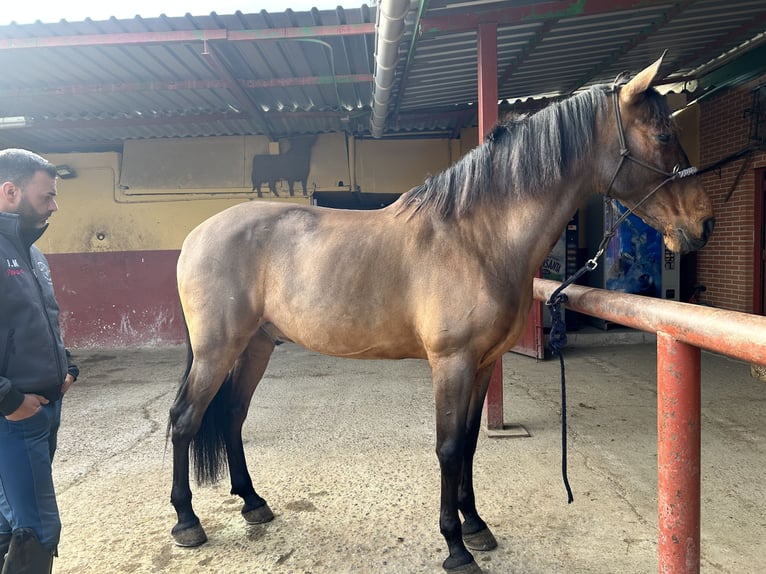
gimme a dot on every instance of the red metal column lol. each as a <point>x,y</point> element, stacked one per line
<point>486,49</point>
<point>678,455</point>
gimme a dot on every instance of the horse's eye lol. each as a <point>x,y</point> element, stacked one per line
<point>663,138</point>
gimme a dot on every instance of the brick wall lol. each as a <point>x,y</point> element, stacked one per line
<point>725,265</point>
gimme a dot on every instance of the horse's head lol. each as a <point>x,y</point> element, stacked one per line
<point>646,166</point>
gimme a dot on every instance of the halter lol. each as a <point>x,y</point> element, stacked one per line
<point>558,336</point>
<point>677,173</point>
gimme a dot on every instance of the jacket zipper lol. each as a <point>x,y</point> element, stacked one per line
<point>51,331</point>
<point>7,354</point>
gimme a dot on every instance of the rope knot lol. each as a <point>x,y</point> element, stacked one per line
<point>558,334</point>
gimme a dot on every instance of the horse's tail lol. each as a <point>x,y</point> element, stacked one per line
<point>208,446</point>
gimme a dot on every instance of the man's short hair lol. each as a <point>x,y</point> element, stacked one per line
<point>20,165</point>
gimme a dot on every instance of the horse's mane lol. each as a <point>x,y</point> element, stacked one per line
<point>524,154</point>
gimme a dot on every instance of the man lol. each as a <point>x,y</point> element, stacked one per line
<point>34,367</point>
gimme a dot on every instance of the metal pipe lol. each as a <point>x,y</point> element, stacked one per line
<point>389,31</point>
<point>738,335</point>
<point>352,185</point>
<point>678,456</point>
<point>493,403</point>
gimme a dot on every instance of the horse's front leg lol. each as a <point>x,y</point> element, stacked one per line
<point>453,380</point>
<point>476,534</point>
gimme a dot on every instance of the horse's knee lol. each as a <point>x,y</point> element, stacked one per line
<point>450,454</point>
<point>182,425</point>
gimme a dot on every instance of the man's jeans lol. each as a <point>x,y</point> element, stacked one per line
<point>27,497</point>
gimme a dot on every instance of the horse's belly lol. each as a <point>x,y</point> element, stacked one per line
<point>339,340</point>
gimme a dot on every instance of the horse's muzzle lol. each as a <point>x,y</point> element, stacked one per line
<point>689,244</point>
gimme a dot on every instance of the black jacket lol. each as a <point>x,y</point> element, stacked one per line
<point>32,354</point>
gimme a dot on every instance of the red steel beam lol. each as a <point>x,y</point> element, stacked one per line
<point>173,36</point>
<point>123,87</point>
<point>309,81</point>
<point>486,49</point>
<point>301,32</point>
<point>121,39</point>
<point>532,12</point>
<point>682,330</point>
<point>167,120</point>
<point>487,77</point>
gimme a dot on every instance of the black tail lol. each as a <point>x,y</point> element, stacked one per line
<point>208,446</point>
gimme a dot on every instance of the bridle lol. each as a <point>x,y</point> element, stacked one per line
<point>558,337</point>
<point>625,154</point>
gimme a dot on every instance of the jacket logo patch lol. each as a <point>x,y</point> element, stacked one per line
<point>45,271</point>
<point>13,267</point>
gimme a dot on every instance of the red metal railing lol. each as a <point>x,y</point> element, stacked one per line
<point>682,330</point>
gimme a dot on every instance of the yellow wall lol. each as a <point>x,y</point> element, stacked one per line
<point>94,215</point>
<point>173,185</point>
<point>688,122</point>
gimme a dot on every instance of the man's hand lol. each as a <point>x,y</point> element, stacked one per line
<point>28,408</point>
<point>67,383</point>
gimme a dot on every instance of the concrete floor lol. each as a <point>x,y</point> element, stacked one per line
<point>343,451</point>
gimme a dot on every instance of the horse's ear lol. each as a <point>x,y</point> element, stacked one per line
<point>633,91</point>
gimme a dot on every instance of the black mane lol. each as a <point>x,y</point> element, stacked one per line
<point>521,155</point>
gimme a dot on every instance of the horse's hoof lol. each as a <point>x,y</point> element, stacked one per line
<point>482,540</point>
<point>189,537</point>
<point>470,568</point>
<point>258,515</point>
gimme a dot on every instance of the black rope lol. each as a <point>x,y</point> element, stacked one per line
<point>557,340</point>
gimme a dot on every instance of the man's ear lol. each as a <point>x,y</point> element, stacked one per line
<point>9,193</point>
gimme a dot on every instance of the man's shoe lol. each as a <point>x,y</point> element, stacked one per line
<point>26,555</point>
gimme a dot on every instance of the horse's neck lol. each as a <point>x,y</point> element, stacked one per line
<point>531,225</point>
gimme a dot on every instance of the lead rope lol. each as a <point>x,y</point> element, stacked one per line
<point>558,333</point>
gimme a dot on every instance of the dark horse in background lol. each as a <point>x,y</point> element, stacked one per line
<point>292,165</point>
<point>443,274</point>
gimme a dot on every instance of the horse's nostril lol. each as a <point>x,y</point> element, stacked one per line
<point>707,228</point>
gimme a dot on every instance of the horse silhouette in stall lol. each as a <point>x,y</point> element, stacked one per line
<point>292,166</point>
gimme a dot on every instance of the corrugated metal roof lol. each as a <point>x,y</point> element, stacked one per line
<point>92,84</point>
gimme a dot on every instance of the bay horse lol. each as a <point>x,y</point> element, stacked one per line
<point>443,274</point>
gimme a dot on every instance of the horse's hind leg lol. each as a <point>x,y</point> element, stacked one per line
<point>202,382</point>
<point>247,373</point>
<point>476,534</point>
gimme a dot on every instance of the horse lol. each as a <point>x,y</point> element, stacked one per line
<point>443,274</point>
<point>292,165</point>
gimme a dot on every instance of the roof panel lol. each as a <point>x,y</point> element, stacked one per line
<point>311,72</point>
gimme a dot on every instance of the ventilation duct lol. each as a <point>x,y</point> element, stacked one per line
<point>389,30</point>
